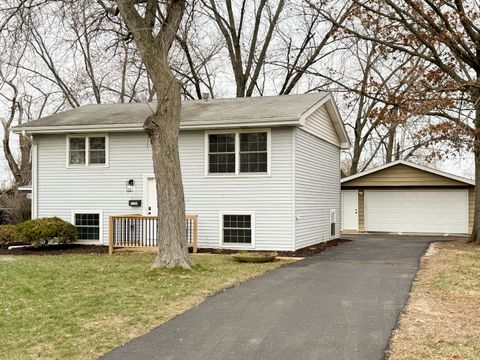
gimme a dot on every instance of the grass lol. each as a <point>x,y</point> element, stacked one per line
<point>80,306</point>
<point>442,319</point>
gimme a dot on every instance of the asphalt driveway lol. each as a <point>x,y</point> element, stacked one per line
<point>341,304</point>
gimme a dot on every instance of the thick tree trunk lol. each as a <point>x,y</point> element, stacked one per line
<point>163,131</point>
<point>475,236</point>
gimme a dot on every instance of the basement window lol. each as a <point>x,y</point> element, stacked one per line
<point>88,226</point>
<point>238,229</point>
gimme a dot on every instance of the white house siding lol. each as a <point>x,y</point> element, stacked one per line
<point>317,188</point>
<point>62,190</point>
<point>320,124</point>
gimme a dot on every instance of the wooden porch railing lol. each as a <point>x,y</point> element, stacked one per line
<point>135,231</point>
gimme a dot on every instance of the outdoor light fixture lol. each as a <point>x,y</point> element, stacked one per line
<point>130,185</point>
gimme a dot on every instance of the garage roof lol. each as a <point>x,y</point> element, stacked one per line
<point>404,173</point>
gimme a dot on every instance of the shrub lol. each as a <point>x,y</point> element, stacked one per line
<point>42,231</point>
<point>17,207</point>
<point>10,236</point>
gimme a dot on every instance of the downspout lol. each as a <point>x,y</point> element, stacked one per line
<point>293,194</point>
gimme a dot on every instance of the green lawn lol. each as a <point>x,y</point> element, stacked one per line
<point>80,306</point>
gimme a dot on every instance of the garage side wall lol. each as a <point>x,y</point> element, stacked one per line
<point>317,189</point>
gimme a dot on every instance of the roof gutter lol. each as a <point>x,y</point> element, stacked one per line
<point>137,127</point>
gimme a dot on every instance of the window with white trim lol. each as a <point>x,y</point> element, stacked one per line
<point>87,150</point>
<point>221,153</point>
<point>88,226</point>
<point>253,152</point>
<point>236,153</point>
<point>237,229</point>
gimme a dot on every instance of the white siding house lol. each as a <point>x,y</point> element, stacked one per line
<point>273,160</point>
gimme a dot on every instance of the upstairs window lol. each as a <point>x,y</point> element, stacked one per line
<point>86,150</point>
<point>238,153</point>
<point>221,154</point>
<point>97,150</point>
<point>77,153</point>
<point>253,153</point>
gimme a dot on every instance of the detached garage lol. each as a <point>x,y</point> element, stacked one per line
<point>403,197</point>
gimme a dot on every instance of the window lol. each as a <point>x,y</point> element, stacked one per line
<point>77,151</point>
<point>221,153</point>
<point>97,150</point>
<point>88,226</point>
<point>237,153</point>
<point>86,150</point>
<point>237,229</point>
<point>253,152</point>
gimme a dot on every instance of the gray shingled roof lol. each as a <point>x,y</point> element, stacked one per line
<point>195,113</point>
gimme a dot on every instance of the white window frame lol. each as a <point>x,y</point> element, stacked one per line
<point>87,151</point>
<point>100,225</point>
<point>236,245</point>
<point>237,172</point>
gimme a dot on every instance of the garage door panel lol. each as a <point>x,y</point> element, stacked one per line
<point>434,211</point>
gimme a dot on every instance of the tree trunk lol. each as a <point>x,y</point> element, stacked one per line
<point>163,130</point>
<point>390,144</point>
<point>475,236</point>
<point>163,126</point>
<point>357,151</point>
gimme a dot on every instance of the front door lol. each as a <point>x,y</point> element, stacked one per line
<point>350,210</point>
<point>151,205</point>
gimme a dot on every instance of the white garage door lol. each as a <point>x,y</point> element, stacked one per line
<point>427,211</point>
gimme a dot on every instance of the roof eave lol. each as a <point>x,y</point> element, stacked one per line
<point>136,127</point>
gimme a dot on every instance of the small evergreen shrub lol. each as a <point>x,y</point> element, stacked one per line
<point>42,231</point>
<point>9,235</point>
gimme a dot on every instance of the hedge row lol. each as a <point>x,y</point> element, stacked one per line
<point>39,232</point>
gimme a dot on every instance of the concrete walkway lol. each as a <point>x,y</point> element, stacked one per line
<point>341,304</point>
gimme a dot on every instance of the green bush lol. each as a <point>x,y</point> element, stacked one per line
<point>42,231</point>
<point>10,236</point>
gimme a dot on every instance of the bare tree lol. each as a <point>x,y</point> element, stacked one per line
<point>446,35</point>
<point>231,18</point>
<point>154,26</point>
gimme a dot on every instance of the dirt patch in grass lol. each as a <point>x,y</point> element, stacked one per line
<point>442,318</point>
<point>304,252</point>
